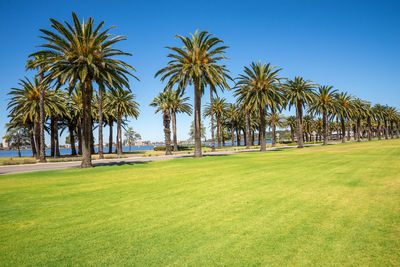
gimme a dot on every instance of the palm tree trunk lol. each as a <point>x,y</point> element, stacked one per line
<point>262,129</point>
<point>299,116</point>
<point>110,138</point>
<point>273,134</point>
<point>386,129</point>
<point>218,133</point>
<point>92,139</point>
<point>71,128</point>
<point>292,133</point>
<point>56,139</point>
<point>32,140</point>
<point>252,137</point>
<point>100,148</point>
<point>398,129</point>
<point>232,135</point>
<point>379,130</point>
<point>197,120</point>
<point>174,131</point>
<point>167,131</point>
<point>247,129</point>
<point>238,137</point>
<point>343,130</point>
<point>369,128</point>
<point>348,133</point>
<point>79,133</point>
<point>324,126</point>
<point>52,138</point>
<point>116,141</point>
<point>87,124</point>
<point>212,120</point>
<point>358,128</point>
<point>391,130</point>
<point>119,141</point>
<point>37,138</point>
<point>42,152</point>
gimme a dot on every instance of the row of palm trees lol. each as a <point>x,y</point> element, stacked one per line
<point>261,91</point>
<point>63,111</point>
<point>81,57</point>
<point>323,120</point>
<point>77,55</point>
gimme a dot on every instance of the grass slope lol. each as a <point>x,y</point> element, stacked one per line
<point>335,205</point>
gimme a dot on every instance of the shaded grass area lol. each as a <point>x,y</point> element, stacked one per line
<point>325,206</point>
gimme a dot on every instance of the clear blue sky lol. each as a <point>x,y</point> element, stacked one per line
<point>352,45</point>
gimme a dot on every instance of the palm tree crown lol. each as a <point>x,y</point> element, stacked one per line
<point>258,89</point>
<point>83,52</point>
<point>298,93</point>
<point>324,104</point>
<point>197,63</point>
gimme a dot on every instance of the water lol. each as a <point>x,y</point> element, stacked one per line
<point>66,151</point>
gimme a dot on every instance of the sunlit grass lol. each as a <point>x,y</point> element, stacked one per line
<point>319,206</point>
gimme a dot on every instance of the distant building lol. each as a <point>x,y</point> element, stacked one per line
<point>142,143</point>
<point>5,143</point>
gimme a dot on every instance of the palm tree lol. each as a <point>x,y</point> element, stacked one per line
<point>231,116</point>
<point>245,111</point>
<point>291,121</point>
<point>218,109</point>
<point>75,100</point>
<point>324,104</point>
<point>258,89</point>
<point>275,120</point>
<point>274,116</point>
<point>83,52</point>
<point>368,116</point>
<point>193,130</point>
<point>162,103</point>
<point>378,113</point>
<point>391,117</point>
<point>178,105</point>
<point>71,118</point>
<point>25,104</point>
<point>100,118</point>
<point>34,63</point>
<point>212,119</point>
<point>196,63</point>
<point>308,125</point>
<point>344,110</point>
<point>123,104</point>
<point>359,113</point>
<point>319,128</point>
<point>385,117</point>
<point>299,92</point>
<point>397,121</point>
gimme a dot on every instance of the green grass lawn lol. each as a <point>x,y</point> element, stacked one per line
<point>322,206</point>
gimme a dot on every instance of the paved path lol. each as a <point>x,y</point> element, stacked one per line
<point>9,169</point>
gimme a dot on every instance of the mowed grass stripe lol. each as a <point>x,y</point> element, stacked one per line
<point>334,205</point>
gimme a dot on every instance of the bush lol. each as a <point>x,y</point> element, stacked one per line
<point>304,143</point>
<point>180,148</point>
<point>18,162</point>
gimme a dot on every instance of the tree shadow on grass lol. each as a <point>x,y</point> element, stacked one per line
<point>119,163</point>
